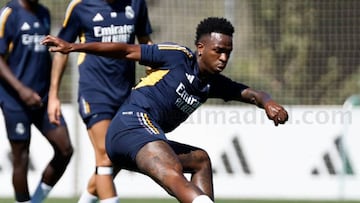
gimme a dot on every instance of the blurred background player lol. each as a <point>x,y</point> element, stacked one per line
<point>25,67</point>
<point>136,137</point>
<point>104,83</point>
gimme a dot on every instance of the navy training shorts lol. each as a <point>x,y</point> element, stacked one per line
<point>129,131</point>
<point>18,122</point>
<point>92,113</point>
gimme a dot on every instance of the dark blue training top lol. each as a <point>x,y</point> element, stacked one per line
<point>105,80</point>
<point>20,35</point>
<point>171,93</point>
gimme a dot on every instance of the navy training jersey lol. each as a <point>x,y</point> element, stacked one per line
<point>172,92</point>
<point>20,35</point>
<point>105,80</point>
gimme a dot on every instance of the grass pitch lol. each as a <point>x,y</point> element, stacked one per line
<point>74,200</point>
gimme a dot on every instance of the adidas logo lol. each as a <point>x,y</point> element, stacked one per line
<point>97,18</point>
<point>235,162</point>
<point>25,26</point>
<point>190,77</point>
<point>335,161</point>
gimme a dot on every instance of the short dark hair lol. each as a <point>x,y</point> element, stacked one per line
<point>213,24</point>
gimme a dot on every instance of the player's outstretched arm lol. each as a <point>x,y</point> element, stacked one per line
<point>113,50</point>
<point>274,111</point>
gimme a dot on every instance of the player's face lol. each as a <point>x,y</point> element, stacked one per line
<point>215,51</point>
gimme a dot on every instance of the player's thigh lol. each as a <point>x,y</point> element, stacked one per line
<point>57,135</point>
<point>97,119</point>
<point>157,159</point>
<point>97,134</point>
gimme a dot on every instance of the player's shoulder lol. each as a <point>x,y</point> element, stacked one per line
<point>9,10</point>
<point>73,4</point>
<point>79,6</point>
<point>43,8</point>
<point>5,11</point>
<point>171,46</point>
<point>85,3</point>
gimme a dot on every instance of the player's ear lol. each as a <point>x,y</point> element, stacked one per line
<point>199,47</point>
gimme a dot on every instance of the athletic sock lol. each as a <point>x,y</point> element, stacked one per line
<point>202,199</point>
<point>41,192</point>
<point>110,200</point>
<point>87,197</point>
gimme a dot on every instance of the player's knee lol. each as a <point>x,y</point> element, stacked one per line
<point>62,158</point>
<point>60,162</point>
<point>66,154</point>
<point>202,159</point>
<point>20,157</point>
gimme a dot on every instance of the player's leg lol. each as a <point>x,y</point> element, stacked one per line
<point>18,132</point>
<point>20,162</point>
<point>197,162</point>
<point>89,195</point>
<point>59,139</point>
<point>97,118</point>
<point>136,142</point>
<point>157,160</point>
<point>105,188</point>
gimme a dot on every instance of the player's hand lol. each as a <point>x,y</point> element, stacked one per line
<point>54,110</point>
<point>56,44</point>
<point>30,97</point>
<point>276,112</point>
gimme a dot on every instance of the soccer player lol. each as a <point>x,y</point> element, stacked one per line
<point>182,81</point>
<point>25,67</point>
<point>104,83</point>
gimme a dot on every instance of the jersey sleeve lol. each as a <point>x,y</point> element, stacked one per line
<point>224,88</point>
<point>143,25</point>
<point>71,24</point>
<point>6,34</point>
<point>164,56</point>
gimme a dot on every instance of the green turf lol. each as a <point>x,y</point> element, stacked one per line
<point>73,200</point>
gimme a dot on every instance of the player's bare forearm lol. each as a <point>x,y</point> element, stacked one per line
<point>258,98</point>
<point>113,50</point>
<point>57,71</point>
<point>274,111</point>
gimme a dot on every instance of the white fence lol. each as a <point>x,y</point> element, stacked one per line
<point>252,158</point>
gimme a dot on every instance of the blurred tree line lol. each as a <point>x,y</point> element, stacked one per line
<point>308,50</point>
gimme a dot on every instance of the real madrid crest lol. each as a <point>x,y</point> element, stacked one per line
<point>129,12</point>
